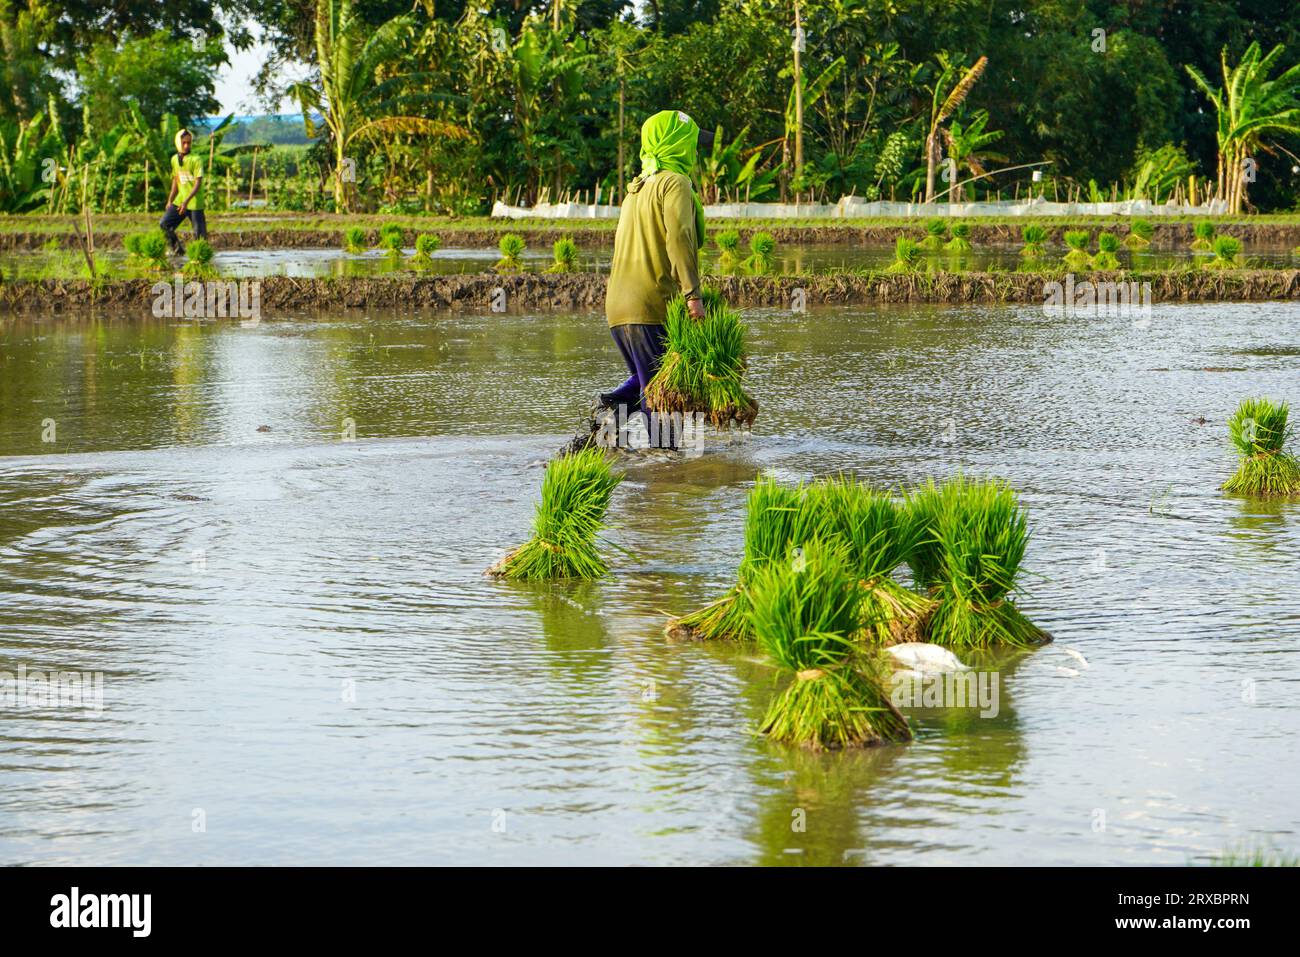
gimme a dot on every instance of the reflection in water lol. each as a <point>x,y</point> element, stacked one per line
<point>297,638</point>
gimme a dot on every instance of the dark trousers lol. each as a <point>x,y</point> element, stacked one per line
<point>642,347</point>
<point>172,218</point>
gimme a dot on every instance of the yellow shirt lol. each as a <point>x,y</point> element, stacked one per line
<point>656,252</point>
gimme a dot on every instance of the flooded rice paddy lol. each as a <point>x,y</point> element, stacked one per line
<point>270,541</point>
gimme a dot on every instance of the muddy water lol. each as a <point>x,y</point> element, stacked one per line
<point>302,663</point>
<point>789,259</point>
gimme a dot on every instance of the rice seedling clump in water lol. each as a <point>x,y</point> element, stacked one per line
<point>1077,240</point>
<point>575,494</point>
<point>761,248</point>
<point>878,539</point>
<point>960,241</point>
<point>565,252</point>
<point>1034,236</point>
<point>1139,235</point>
<point>1259,433</point>
<point>936,231</point>
<point>728,243</point>
<point>907,255</point>
<point>512,246</point>
<point>426,244</point>
<point>703,368</point>
<point>1226,249</point>
<point>199,255</point>
<point>971,537</point>
<point>354,239</point>
<point>803,611</point>
<point>390,238</point>
<point>1204,232</point>
<point>776,518</point>
<point>1107,246</point>
<point>148,249</point>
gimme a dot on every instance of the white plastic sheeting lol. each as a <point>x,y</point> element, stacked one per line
<point>853,207</point>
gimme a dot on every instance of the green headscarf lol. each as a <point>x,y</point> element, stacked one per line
<point>668,141</point>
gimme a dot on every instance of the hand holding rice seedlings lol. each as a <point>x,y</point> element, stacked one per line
<point>971,538</point>
<point>575,494</point>
<point>703,368</point>
<point>1139,235</point>
<point>761,247</point>
<point>878,539</point>
<point>1034,235</point>
<point>907,255</point>
<point>426,244</point>
<point>1226,249</point>
<point>147,249</point>
<point>1107,246</point>
<point>728,243</point>
<point>512,247</point>
<point>199,255</point>
<point>565,251</point>
<point>1259,432</point>
<point>354,240</point>
<point>803,611</point>
<point>960,241</point>
<point>936,231</point>
<point>1204,232</point>
<point>1078,240</point>
<point>776,517</point>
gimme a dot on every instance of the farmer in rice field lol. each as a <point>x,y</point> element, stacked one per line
<point>187,184</point>
<point>656,252</point>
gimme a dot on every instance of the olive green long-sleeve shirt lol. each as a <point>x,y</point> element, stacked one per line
<point>656,251</point>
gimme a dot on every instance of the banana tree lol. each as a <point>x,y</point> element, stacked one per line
<point>967,147</point>
<point>945,98</point>
<point>359,98</point>
<point>31,155</point>
<point>731,168</point>
<point>1251,108</point>
<point>803,97</point>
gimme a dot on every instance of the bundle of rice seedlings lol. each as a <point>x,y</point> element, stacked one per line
<point>575,494</point>
<point>147,249</point>
<point>936,231</point>
<point>1107,246</point>
<point>761,247</point>
<point>565,251</point>
<point>426,244</point>
<point>907,255</point>
<point>879,539</point>
<point>1259,431</point>
<point>1226,249</point>
<point>390,239</point>
<point>1034,236</point>
<point>703,368</point>
<point>354,240</point>
<point>199,255</point>
<point>803,611</point>
<point>1077,240</point>
<point>1204,232</point>
<point>971,538</point>
<point>512,246</point>
<point>728,243</point>
<point>1139,234</point>
<point>777,517</point>
<point>960,241</point>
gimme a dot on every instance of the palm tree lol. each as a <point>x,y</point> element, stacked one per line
<point>941,109</point>
<point>1250,107</point>
<point>966,147</point>
<point>358,98</point>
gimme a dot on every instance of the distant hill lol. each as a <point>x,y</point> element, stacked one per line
<point>270,128</point>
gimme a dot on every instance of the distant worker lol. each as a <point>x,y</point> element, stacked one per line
<point>656,252</point>
<point>187,183</point>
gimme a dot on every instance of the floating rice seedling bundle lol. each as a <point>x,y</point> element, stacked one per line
<point>565,252</point>
<point>936,231</point>
<point>1226,249</point>
<point>761,248</point>
<point>703,368</point>
<point>1259,432</point>
<point>971,538</point>
<point>1204,232</point>
<point>512,246</point>
<point>907,255</point>
<point>728,243</point>
<point>878,539</point>
<point>390,238</point>
<point>1034,236</point>
<point>426,244</point>
<point>1107,247</point>
<point>1139,234</point>
<point>148,249</point>
<point>960,241</point>
<point>1077,240</point>
<point>803,611</point>
<point>199,255</point>
<point>354,240</point>
<point>776,518</point>
<point>575,494</point>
